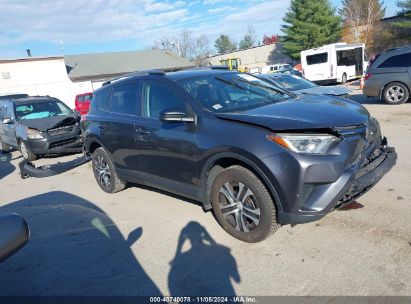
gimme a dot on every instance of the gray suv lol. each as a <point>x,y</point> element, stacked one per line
<point>389,76</point>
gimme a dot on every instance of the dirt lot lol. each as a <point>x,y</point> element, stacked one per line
<point>84,241</point>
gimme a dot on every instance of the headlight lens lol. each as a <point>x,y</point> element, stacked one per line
<point>34,134</point>
<point>305,143</point>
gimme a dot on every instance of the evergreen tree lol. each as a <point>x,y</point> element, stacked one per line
<point>309,24</point>
<point>246,43</point>
<point>249,39</point>
<point>405,25</point>
<point>223,44</point>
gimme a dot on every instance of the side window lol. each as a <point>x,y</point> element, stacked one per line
<point>124,99</point>
<point>10,111</point>
<point>102,99</point>
<point>396,61</point>
<point>317,58</point>
<point>2,112</point>
<point>158,97</point>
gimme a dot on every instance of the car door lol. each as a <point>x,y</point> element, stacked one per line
<point>167,150</point>
<point>117,131</point>
<point>9,129</point>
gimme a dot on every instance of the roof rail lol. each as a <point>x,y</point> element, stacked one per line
<point>138,73</point>
<point>210,67</point>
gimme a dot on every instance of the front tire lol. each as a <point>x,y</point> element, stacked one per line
<point>242,205</point>
<point>105,173</point>
<point>25,152</point>
<point>395,93</point>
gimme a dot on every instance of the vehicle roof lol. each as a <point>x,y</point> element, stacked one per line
<point>196,72</point>
<point>171,75</point>
<point>339,45</point>
<point>398,50</point>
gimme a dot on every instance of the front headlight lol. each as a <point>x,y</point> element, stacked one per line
<point>305,143</point>
<point>34,134</point>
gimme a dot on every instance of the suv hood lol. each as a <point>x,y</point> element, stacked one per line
<point>44,124</point>
<point>304,112</point>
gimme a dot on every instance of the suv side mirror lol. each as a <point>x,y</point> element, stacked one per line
<point>14,234</point>
<point>175,116</point>
<point>7,121</point>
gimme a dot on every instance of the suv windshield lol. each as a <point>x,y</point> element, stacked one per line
<point>41,109</point>
<point>232,91</point>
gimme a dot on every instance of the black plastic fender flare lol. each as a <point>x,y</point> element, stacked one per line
<point>28,169</point>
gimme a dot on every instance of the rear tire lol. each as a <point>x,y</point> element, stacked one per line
<point>242,205</point>
<point>25,152</point>
<point>395,93</point>
<point>4,148</point>
<point>105,173</point>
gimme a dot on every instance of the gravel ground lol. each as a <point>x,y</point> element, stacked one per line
<point>144,242</point>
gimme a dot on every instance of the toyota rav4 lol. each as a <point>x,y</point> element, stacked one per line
<point>257,156</point>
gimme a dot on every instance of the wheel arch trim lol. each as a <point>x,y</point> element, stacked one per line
<point>210,163</point>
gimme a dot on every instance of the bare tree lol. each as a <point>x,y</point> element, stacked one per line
<point>361,20</point>
<point>186,45</point>
<point>201,50</point>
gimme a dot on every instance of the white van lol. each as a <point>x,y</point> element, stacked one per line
<point>336,62</point>
<point>274,68</point>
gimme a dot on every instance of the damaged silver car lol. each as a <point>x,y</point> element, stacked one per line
<point>38,125</point>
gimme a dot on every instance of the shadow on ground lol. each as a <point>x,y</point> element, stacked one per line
<point>206,268</point>
<point>6,167</point>
<point>74,249</point>
<point>362,99</point>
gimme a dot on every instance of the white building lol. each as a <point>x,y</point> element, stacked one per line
<point>65,77</point>
<point>38,76</point>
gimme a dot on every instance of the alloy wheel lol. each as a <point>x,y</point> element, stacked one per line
<point>239,206</point>
<point>103,171</point>
<point>395,93</point>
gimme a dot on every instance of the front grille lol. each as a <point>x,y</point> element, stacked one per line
<point>63,143</point>
<point>60,130</point>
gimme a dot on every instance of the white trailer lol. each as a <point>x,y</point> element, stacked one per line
<point>336,62</point>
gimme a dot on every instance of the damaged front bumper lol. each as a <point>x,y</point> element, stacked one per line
<point>69,142</point>
<point>326,184</point>
<point>28,169</point>
<point>368,176</point>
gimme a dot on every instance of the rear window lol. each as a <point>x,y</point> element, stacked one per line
<point>397,61</point>
<point>124,99</point>
<point>317,58</point>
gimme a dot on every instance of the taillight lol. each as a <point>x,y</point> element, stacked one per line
<point>367,76</point>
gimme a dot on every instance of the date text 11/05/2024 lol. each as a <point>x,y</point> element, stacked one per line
<point>198,299</point>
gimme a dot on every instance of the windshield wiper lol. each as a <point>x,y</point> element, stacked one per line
<point>231,83</point>
<point>277,90</point>
<point>234,84</point>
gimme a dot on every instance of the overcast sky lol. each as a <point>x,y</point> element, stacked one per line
<point>87,26</point>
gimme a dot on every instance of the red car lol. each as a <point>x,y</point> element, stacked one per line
<point>82,103</point>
